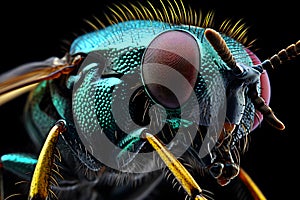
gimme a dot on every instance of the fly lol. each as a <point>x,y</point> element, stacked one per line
<point>158,102</point>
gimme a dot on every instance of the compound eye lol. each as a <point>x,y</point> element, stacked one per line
<point>170,67</point>
<point>265,88</point>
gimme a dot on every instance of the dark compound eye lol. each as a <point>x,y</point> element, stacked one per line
<point>170,67</point>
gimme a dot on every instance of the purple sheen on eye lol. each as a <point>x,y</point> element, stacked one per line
<point>265,87</point>
<point>170,67</point>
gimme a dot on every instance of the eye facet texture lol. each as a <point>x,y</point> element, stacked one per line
<point>172,59</point>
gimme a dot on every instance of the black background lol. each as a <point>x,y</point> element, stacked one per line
<point>34,30</point>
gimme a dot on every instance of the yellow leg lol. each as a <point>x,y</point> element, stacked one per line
<point>255,191</point>
<point>40,183</point>
<point>178,170</point>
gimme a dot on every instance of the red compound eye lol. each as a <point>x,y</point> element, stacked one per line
<point>265,87</point>
<point>170,67</point>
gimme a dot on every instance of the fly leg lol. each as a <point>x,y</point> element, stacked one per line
<point>224,167</point>
<point>177,169</point>
<point>21,164</point>
<point>41,179</point>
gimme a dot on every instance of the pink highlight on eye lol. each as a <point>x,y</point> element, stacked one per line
<point>264,86</point>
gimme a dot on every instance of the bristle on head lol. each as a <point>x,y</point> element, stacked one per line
<point>172,13</point>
